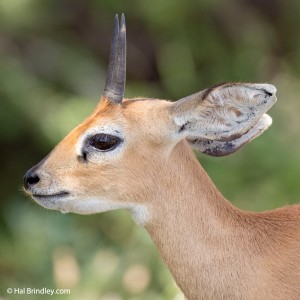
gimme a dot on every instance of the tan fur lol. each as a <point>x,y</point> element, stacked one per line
<point>214,250</point>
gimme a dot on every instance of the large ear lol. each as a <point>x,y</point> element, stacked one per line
<point>220,120</point>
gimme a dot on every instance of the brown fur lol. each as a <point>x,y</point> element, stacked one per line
<point>214,250</point>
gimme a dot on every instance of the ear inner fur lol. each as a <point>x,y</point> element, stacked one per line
<point>223,148</point>
<point>224,112</point>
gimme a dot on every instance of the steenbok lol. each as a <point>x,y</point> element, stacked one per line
<point>136,154</point>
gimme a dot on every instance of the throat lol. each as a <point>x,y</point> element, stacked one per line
<point>139,213</point>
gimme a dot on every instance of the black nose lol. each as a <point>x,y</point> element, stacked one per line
<point>30,179</point>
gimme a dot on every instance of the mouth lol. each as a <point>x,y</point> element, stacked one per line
<point>57,201</point>
<point>62,194</point>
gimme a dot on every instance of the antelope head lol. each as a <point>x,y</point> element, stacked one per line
<point>118,155</point>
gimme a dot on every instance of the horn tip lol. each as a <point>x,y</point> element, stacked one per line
<point>117,21</point>
<point>123,25</point>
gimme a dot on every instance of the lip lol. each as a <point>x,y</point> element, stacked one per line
<point>51,196</point>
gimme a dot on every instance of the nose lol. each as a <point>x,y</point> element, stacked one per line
<point>30,179</point>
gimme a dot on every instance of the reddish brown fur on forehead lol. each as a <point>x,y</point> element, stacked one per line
<point>103,109</point>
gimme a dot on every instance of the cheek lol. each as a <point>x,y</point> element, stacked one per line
<point>92,180</point>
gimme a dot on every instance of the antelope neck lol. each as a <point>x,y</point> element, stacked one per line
<point>199,234</point>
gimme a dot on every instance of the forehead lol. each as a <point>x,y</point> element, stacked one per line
<point>132,114</point>
<point>135,120</point>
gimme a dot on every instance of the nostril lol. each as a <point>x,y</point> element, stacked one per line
<point>33,179</point>
<point>30,179</point>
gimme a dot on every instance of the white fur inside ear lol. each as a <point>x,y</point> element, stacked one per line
<point>220,148</point>
<point>222,112</point>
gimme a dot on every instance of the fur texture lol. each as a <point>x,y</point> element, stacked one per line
<point>214,250</point>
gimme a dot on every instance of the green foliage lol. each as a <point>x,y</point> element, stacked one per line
<point>53,58</point>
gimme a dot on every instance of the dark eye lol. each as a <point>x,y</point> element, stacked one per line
<point>104,142</point>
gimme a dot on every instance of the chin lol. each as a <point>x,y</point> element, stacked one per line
<point>57,201</point>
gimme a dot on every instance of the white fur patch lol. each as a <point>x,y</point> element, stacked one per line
<point>139,212</point>
<point>86,206</point>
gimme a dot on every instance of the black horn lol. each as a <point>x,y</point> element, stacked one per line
<point>116,75</point>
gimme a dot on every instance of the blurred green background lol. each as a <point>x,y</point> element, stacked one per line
<point>53,59</point>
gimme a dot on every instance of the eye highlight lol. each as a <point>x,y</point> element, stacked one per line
<point>104,142</point>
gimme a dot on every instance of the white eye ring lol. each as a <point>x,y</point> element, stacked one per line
<point>89,144</point>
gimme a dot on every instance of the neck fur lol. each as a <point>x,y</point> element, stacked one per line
<point>208,244</point>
